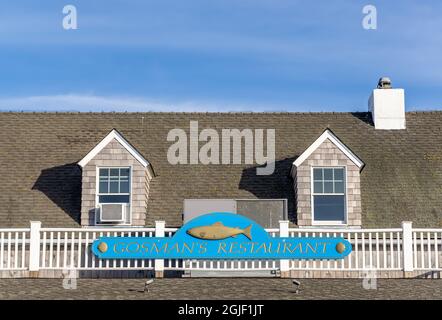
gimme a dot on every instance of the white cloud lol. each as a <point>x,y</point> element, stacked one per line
<point>93,103</point>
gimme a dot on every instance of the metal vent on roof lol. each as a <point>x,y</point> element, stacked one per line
<point>384,83</point>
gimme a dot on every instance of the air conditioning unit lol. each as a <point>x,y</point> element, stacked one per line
<point>113,212</point>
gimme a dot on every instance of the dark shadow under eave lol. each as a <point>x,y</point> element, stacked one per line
<point>62,185</point>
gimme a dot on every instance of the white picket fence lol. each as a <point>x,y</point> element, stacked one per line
<point>14,249</point>
<point>378,249</point>
<point>36,248</point>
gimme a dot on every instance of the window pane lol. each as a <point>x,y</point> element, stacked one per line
<point>317,174</point>
<point>103,187</point>
<point>339,187</point>
<point>328,174</point>
<point>114,172</point>
<point>114,199</point>
<point>339,174</point>
<point>317,187</point>
<point>104,172</point>
<point>328,187</point>
<point>124,179</point>
<point>124,172</point>
<point>124,187</point>
<point>329,208</point>
<point>113,187</point>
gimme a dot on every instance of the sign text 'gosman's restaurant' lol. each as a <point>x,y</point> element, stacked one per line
<point>221,236</point>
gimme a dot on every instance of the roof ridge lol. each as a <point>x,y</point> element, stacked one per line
<point>183,112</point>
<point>209,112</point>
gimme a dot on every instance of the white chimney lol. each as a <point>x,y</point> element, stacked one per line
<point>387,106</point>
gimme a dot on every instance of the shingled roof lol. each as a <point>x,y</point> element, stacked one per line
<point>40,178</point>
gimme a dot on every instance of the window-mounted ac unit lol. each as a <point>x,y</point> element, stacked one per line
<point>113,212</point>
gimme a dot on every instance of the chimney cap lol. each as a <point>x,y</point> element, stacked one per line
<point>384,83</point>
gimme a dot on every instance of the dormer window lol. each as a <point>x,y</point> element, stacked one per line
<point>327,184</point>
<point>113,196</point>
<point>328,196</point>
<point>115,184</point>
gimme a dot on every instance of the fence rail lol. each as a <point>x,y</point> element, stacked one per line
<point>14,249</point>
<point>379,249</point>
<point>394,249</point>
<point>427,251</point>
<point>71,249</point>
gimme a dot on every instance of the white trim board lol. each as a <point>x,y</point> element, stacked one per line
<point>327,134</point>
<point>103,143</point>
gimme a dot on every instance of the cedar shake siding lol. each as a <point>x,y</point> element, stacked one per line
<point>115,155</point>
<point>326,155</point>
<point>41,180</point>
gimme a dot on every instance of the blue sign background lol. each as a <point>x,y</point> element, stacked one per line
<point>185,246</point>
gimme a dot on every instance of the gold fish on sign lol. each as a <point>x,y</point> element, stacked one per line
<point>218,231</point>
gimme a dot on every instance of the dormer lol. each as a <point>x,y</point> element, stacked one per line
<point>327,184</point>
<point>115,184</point>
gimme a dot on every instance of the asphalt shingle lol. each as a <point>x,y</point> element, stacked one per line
<point>40,180</point>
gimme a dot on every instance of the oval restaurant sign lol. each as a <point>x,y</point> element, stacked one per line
<point>221,235</point>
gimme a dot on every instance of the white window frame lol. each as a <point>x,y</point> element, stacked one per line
<point>97,194</point>
<point>312,195</point>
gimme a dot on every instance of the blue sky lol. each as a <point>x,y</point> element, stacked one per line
<point>229,55</point>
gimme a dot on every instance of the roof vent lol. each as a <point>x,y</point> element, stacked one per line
<point>384,83</point>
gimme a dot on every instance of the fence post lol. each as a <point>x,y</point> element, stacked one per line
<point>284,263</point>
<point>34,247</point>
<point>407,246</point>
<point>159,263</point>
